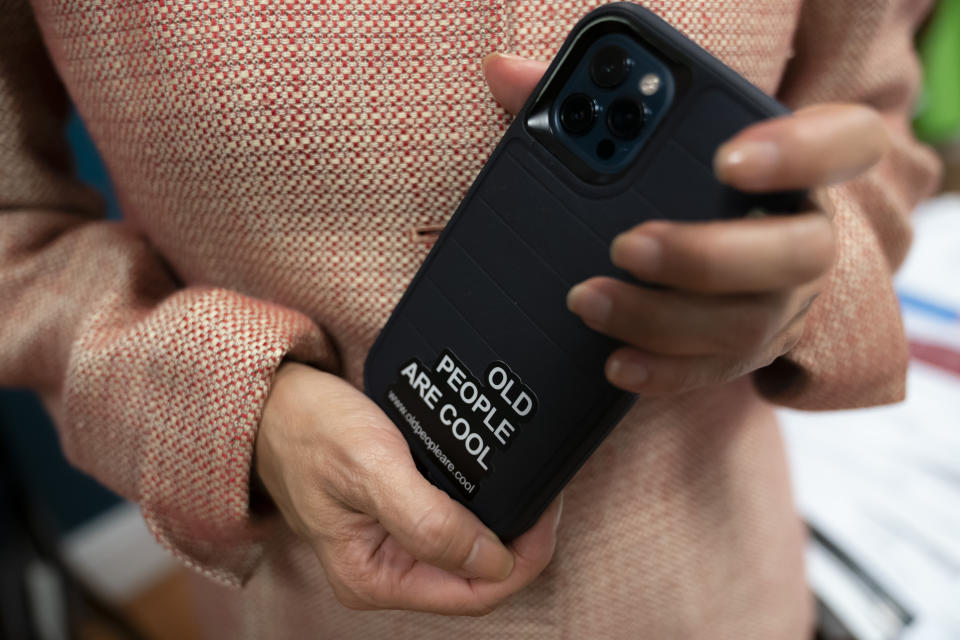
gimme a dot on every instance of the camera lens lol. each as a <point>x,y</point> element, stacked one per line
<point>577,113</point>
<point>609,67</point>
<point>625,118</point>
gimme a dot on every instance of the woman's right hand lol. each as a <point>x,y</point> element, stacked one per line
<point>343,478</point>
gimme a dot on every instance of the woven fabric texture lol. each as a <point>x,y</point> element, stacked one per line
<point>274,161</point>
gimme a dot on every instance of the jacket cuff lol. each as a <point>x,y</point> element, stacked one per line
<point>176,398</point>
<point>853,352</point>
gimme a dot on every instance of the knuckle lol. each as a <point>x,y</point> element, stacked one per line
<point>433,524</point>
<point>435,534</point>
<point>370,456</point>
<point>363,477</point>
<point>350,485</point>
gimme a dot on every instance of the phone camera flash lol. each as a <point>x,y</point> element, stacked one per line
<point>649,84</point>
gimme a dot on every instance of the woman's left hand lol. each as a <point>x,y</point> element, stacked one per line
<point>736,291</point>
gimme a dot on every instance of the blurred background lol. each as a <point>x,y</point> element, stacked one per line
<point>880,488</point>
<point>76,561</point>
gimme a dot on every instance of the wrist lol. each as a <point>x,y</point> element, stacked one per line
<point>261,501</point>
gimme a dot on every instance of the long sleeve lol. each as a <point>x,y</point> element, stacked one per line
<point>156,388</point>
<point>853,352</point>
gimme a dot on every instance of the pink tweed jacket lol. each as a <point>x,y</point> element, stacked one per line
<point>280,164</point>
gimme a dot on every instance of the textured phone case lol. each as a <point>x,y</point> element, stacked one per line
<point>489,300</point>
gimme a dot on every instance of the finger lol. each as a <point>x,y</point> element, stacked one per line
<point>678,323</point>
<point>427,588</point>
<point>814,147</point>
<point>732,256</point>
<point>433,527</point>
<point>652,374</point>
<point>533,550</point>
<point>512,78</point>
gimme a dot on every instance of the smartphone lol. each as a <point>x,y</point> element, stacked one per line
<point>498,388</point>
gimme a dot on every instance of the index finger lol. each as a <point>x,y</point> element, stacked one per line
<point>749,255</point>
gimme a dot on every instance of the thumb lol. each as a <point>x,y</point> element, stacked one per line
<point>435,528</point>
<point>512,78</point>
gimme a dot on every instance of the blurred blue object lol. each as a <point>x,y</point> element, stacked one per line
<point>71,497</point>
<point>916,303</point>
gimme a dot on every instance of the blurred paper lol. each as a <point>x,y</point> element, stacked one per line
<point>883,484</point>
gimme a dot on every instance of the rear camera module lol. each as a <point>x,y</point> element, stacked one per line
<point>603,103</point>
<point>625,118</point>
<point>577,113</point>
<point>610,67</point>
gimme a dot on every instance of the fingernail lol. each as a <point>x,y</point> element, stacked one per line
<point>499,54</point>
<point>488,559</point>
<point>512,56</point>
<point>636,252</point>
<point>590,304</point>
<point>627,373</point>
<point>751,163</point>
<point>485,61</point>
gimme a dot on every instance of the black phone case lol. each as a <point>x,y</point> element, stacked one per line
<point>493,288</point>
